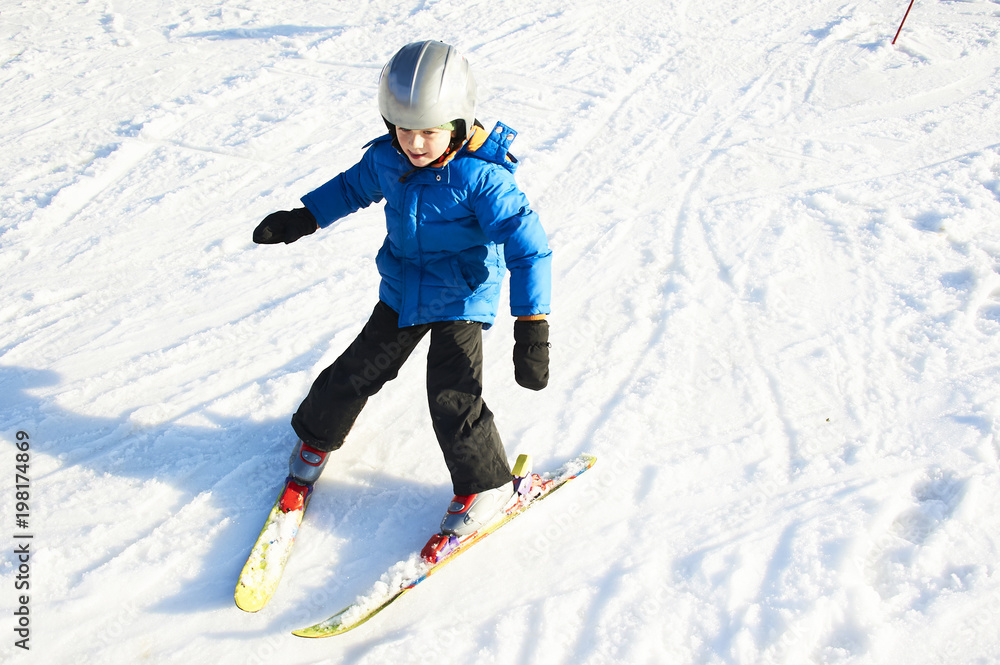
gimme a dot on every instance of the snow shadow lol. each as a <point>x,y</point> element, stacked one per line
<point>212,487</point>
<point>206,466</point>
<point>265,33</point>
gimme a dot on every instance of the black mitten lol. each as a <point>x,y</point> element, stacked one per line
<point>285,226</point>
<point>531,353</point>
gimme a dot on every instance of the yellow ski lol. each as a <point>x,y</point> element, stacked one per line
<point>267,559</point>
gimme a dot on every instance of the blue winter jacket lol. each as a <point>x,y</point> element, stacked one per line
<point>451,230</point>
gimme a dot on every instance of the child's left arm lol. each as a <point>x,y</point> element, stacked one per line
<point>507,219</point>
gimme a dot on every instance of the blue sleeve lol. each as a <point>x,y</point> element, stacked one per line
<point>507,219</point>
<point>355,188</point>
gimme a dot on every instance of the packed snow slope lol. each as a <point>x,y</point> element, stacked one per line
<point>776,323</point>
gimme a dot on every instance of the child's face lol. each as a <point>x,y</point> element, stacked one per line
<point>423,146</point>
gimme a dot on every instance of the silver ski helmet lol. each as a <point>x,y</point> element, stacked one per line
<point>427,84</point>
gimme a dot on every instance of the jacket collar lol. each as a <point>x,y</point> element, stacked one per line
<point>493,146</point>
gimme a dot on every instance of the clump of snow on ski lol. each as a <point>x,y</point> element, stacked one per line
<point>264,567</point>
<point>400,578</point>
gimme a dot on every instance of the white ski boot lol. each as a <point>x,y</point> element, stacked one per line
<point>469,513</point>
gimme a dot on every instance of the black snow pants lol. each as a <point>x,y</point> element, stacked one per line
<point>462,422</point>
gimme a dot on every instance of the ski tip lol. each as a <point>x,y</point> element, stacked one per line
<point>312,632</point>
<point>248,601</point>
<point>332,626</point>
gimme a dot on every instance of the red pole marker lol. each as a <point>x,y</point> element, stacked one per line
<point>902,22</point>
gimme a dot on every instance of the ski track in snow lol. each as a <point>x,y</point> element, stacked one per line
<point>776,320</point>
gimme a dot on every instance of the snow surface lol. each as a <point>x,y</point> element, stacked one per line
<point>776,323</point>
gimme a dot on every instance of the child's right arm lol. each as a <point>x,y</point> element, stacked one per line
<point>355,188</point>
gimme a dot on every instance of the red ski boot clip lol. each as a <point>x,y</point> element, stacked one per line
<point>294,497</point>
<point>439,547</point>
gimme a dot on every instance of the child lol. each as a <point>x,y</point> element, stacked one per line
<point>455,220</point>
